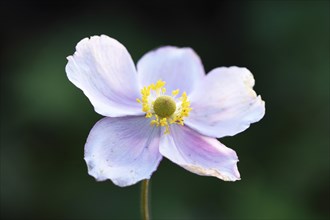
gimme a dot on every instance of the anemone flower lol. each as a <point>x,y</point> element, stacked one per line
<point>166,106</point>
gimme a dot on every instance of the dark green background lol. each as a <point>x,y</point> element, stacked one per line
<point>45,120</point>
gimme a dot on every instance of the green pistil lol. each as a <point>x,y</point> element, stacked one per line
<point>164,106</point>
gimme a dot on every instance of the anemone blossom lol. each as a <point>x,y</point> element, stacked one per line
<point>166,106</point>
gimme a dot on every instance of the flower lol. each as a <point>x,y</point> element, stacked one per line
<point>164,107</point>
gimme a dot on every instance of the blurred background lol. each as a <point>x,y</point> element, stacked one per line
<point>45,120</point>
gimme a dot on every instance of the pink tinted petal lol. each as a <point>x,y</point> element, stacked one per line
<point>124,150</point>
<point>225,103</point>
<point>180,68</point>
<point>199,154</point>
<point>103,69</point>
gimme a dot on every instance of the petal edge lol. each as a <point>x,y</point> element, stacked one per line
<point>225,103</point>
<point>104,70</point>
<point>180,68</point>
<point>199,154</point>
<point>124,150</point>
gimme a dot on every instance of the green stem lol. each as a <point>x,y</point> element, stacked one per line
<point>145,200</point>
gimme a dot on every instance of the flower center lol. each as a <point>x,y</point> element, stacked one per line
<point>164,109</point>
<point>164,106</point>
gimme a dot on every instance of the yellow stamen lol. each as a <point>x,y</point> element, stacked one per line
<point>175,92</point>
<point>171,110</point>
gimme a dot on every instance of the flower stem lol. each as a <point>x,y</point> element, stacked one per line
<point>145,200</point>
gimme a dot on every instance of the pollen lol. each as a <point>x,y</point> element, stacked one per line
<point>163,109</point>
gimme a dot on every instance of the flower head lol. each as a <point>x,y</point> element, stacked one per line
<point>165,107</point>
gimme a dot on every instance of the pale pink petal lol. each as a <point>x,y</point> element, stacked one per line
<point>123,149</point>
<point>225,103</point>
<point>199,154</point>
<point>103,69</point>
<point>180,68</point>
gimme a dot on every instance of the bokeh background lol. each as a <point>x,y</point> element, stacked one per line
<point>45,120</point>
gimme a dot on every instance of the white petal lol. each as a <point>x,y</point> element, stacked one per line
<point>123,149</point>
<point>180,68</point>
<point>199,154</point>
<point>103,69</point>
<point>225,103</point>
